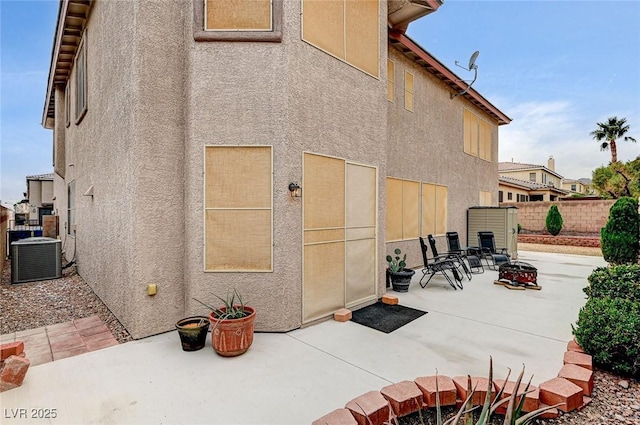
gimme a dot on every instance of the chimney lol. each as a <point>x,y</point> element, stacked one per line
<point>551,163</point>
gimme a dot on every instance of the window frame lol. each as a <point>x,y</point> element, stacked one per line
<point>201,34</point>
<point>391,80</point>
<point>533,177</point>
<point>80,68</point>
<point>412,91</point>
<point>67,105</point>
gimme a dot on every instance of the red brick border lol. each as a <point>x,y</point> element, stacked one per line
<point>587,241</point>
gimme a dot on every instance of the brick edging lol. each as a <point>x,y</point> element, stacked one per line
<point>587,241</point>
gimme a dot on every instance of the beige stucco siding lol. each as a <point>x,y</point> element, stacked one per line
<point>291,96</point>
<point>427,145</point>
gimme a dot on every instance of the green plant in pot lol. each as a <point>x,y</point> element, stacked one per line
<point>232,325</point>
<point>399,275</point>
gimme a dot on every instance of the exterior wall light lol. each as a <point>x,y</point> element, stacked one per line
<point>295,189</point>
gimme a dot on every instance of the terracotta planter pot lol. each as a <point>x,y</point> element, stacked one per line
<point>232,337</point>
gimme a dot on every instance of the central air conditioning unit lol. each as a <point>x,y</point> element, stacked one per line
<point>36,259</point>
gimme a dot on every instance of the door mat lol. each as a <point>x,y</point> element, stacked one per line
<point>384,317</point>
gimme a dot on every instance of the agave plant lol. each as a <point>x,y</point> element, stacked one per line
<point>233,306</point>
<point>513,415</point>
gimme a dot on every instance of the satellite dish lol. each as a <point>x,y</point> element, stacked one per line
<point>472,60</point>
<point>472,67</point>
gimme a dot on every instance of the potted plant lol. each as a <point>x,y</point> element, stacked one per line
<point>193,332</point>
<point>232,325</point>
<point>400,277</point>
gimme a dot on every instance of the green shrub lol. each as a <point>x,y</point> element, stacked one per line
<point>619,239</point>
<point>609,330</point>
<point>519,227</point>
<point>554,220</point>
<point>622,281</point>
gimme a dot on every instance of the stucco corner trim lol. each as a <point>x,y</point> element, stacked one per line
<point>274,36</point>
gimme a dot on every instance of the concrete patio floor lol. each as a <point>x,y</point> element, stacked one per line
<point>299,376</point>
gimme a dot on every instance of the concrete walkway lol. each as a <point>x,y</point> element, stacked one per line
<point>297,377</point>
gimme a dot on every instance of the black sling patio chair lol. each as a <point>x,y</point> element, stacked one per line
<point>470,253</point>
<point>488,251</point>
<point>433,267</point>
<point>456,258</point>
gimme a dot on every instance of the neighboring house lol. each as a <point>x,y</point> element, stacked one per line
<point>578,187</point>
<point>520,182</point>
<point>40,197</point>
<point>6,217</point>
<point>179,128</point>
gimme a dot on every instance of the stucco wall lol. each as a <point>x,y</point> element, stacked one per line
<point>427,145</point>
<point>577,216</point>
<point>296,98</point>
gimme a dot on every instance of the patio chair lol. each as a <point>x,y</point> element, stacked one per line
<point>488,251</point>
<point>441,266</point>
<point>470,253</point>
<point>455,257</point>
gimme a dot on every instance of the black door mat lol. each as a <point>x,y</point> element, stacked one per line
<point>384,317</point>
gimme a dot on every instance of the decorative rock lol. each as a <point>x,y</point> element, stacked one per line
<point>11,349</point>
<point>337,417</point>
<point>390,299</point>
<point>13,372</point>
<point>578,375</point>
<point>531,399</point>
<point>405,397</point>
<point>342,315</point>
<point>480,385</point>
<point>580,359</point>
<point>624,384</point>
<point>371,405</point>
<point>560,390</point>
<point>446,388</point>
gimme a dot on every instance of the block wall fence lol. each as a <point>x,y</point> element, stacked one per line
<point>587,216</point>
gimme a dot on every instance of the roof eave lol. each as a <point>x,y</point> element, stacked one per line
<point>410,48</point>
<point>412,11</point>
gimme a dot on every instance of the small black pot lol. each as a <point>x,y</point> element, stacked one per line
<point>401,279</point>
<point>193,332</point>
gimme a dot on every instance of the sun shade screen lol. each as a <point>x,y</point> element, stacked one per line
<point>391,80</point>
<point>485,198</point>
<point>485,140</point>
<point>470,133</point>
<point>238,202</point>
<point>323,279</point>
<point>408,91</point>
<point>324,178</point>
<point>346,29</point>
<point>442,194</point>
<point>234,15</point>
<point>428,209</point>
<point>394,209</point>
<point>410,209</point>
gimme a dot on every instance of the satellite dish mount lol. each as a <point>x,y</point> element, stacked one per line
<point>471,67</point>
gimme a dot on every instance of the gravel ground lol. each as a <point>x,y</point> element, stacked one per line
<point>616,399</point>
<point>35,304</point>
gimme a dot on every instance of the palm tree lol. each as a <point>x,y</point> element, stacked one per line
<point>609,132</point>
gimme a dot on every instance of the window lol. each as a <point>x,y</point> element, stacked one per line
<point>408,91</point>
<point>238,208</point>
<point>485,198</point>
<point>532,177</point>
<point>434,209</point>
<point>509,196</point>
<point>500,196</point>
<point>346,29</point>
<point>81,81</point>
<point>391,80</point>
<point>403,204</point>
<point>478,136</point>
<point>71,208</point>
<point>573,188</point>
<point>237,20</point>
<point>544,178</point>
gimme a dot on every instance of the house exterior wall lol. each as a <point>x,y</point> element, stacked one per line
<point>514,193</point>
<point>296,98</point>
<point>427,145</point>
<point>524,175</point>
<point>157,98</point>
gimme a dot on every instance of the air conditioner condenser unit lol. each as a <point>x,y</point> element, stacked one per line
<point>36,259</point>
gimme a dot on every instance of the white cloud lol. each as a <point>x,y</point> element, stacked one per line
<point>556,128</point>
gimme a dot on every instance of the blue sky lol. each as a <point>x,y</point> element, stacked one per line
<point>555,67</point>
